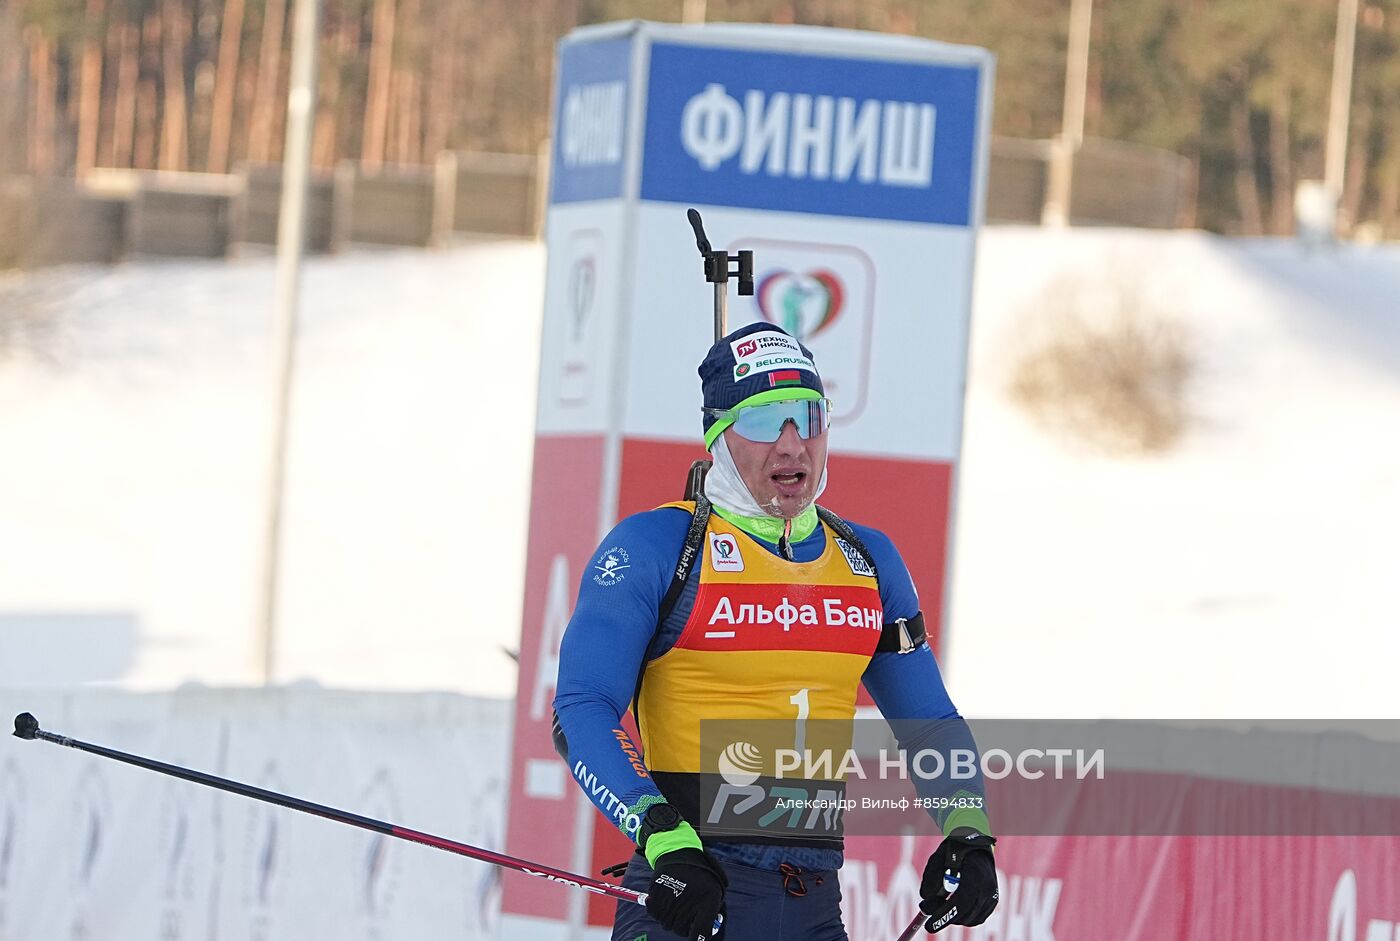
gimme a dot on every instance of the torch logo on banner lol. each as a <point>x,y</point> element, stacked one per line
<point>802,304</point>
<point>583,280</point>
<point>580,303</point>
<point>824,295</point>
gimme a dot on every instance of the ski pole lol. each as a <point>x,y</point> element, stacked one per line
<point>27,727</point>
<point>914,926</point>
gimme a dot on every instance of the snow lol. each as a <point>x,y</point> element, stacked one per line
<point>135,450</point>
<point>1250,571</point>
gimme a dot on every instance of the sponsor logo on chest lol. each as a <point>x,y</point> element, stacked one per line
<point>724,553</point>
<point>797,616</point>
<point>826,612</point>
<point>854,559</point>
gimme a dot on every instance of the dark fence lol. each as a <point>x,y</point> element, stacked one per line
<point>391,206</point>
<point>55,221</point>
<point>1016,179</point>
<point>256,207</point>
<point>413,205</point>
<point>113,214</point>
<point>498,193</point>
<point>1129,185</point>
<point>186,214</point>
<point>1113,184</point>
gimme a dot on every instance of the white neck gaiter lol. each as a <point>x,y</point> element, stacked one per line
<point>727,490</point>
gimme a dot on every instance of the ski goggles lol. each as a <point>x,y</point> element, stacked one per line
<point>764,423</point>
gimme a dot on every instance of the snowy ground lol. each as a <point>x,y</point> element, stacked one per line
<point>1249,572</point>
<point>134,455</point>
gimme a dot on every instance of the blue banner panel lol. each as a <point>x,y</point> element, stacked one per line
<point>802,133</point>
<point>590,120</point>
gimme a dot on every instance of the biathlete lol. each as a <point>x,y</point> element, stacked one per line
<point>751,603</point>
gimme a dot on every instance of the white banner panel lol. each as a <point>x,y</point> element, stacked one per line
<point>882,306</point>
<point>93,848</point>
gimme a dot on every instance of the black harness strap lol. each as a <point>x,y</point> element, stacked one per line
<point>694,539</point>
<point>690,551</point>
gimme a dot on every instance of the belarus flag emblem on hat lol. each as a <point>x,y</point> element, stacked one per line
<point>784,377</point>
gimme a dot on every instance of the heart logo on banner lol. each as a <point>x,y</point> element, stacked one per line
<point>802,304</point>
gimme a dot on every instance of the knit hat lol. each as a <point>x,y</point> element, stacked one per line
<point>755,364</point>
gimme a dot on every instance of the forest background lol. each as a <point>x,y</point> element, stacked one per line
<point>1238,87</point>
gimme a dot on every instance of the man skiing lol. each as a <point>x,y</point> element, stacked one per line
<point>751,604</point>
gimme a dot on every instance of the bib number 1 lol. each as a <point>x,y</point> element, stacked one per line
<point>800,700</point>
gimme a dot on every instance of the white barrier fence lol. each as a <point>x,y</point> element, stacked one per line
<point>92,848</point>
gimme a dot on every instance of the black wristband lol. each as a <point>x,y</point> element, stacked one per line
<point>659,818</point>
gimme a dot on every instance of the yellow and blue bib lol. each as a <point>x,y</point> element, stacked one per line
<point>764,674</point>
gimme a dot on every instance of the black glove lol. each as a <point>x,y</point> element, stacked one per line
<point>967,854</point>
<point>687,893</point>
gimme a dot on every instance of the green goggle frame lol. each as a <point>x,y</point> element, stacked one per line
<point>761,418</point>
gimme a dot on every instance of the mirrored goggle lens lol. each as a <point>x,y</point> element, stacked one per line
<point>765,422</point>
